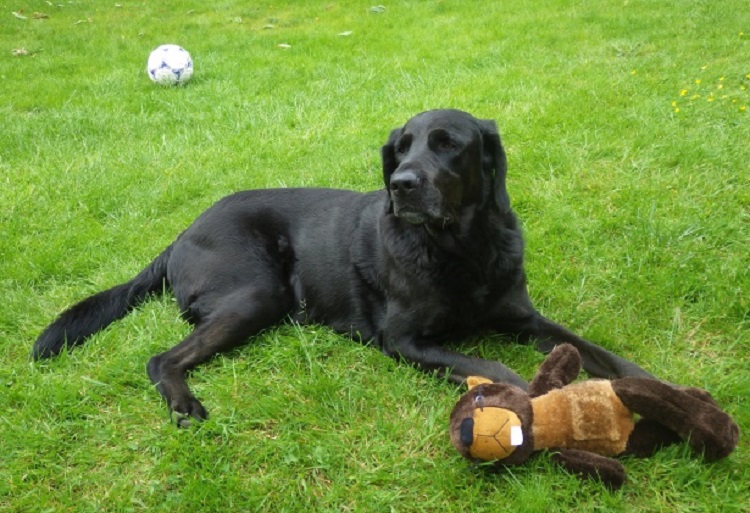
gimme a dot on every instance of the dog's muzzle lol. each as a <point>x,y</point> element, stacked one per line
<point>415,199</point>
<point>406,195</point>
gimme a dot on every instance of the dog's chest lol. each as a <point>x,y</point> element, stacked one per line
<point>449,287</point>
<point>455,304</point>
<point>465,309</point>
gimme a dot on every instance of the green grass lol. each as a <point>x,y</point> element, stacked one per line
<point>634,195</point>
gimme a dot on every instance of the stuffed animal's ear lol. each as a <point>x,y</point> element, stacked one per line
<point>560,368</point>
<point>494,162</point>
<point>588,465</point>
<point>475,381</point>
<point>388,155</point>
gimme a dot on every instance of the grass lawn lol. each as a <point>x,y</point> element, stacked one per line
<point>628,136</point>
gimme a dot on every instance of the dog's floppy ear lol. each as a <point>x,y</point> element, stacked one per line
<point>494,162</point>
<point>388,155</point>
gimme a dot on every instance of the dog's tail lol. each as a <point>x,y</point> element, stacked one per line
<point>96,312</point>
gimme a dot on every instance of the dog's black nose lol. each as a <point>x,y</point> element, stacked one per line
<point>404,181</point>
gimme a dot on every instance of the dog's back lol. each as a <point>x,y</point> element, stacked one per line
<point>305,237</point>
<point>320,244</point>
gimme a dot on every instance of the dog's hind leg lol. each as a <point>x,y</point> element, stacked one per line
<point>231,320</point>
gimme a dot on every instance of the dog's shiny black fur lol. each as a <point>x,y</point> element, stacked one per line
<point>435,256</point>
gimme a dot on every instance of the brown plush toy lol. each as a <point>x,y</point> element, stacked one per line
<point>586,423</point>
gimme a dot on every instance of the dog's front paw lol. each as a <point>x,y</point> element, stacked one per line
<point>184,412</point>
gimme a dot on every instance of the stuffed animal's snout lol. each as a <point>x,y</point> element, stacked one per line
<point>491,433</point>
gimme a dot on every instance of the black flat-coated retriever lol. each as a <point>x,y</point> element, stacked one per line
<point>434,256</point>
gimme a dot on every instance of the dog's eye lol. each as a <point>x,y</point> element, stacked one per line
<point>447,145</point>
<point>402,148</point>
<point>442,140</point>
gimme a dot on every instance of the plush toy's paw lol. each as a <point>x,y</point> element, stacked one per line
<point>691,413</point>
<point>717,441</point>
<point>560,368</point>
<point>588,465</point>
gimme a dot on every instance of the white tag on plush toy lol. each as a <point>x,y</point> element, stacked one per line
<point>516,436</point>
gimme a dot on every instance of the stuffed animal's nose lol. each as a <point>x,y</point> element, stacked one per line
<point>467,432</point>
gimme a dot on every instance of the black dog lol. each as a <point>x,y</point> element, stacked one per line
<point>435,256</point>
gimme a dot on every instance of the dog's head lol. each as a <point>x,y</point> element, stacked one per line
<point>441,163</point>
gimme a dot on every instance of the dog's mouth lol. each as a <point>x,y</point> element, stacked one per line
<point>411,216</point>
<point>421,205</point>
<point>417,216</point>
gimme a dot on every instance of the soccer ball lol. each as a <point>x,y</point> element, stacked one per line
<point>170,65</point>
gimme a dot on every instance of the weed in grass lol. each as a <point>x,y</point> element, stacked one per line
<point>729,93</point>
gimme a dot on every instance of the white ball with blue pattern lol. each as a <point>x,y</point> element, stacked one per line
<point>170,65</point>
